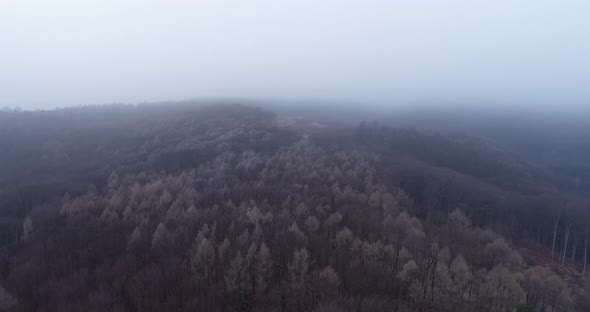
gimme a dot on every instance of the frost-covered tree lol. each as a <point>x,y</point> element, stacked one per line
<point>312,224</point>
<point>264,265</point>
<point>161,237</point>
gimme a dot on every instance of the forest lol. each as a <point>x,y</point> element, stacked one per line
<point>228,207</point>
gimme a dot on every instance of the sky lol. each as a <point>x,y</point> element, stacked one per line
<point>501,52</point>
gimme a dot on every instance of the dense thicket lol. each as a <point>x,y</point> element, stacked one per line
<point>223,209</point>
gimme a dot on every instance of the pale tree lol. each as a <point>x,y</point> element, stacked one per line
<point>342,242</point>
<point>113,180</point>
<point>138,234</point>
<point>545,289</point>
<point>244,238</point>
<point>236,282</point>
<point>326,283</point>
<point>407,277</point>
<point>7,300</point>
<point>408,271</point>
<point>566,236</point>
<point>166,198</point>
<point>257,233</point>
<point>371,252</point>
<point>267,218</point>
<point>501,290</point>
<point>203,233</point>
<point>462,286</point>
<point>264,265</point>
<point>442,284</point>
<point>401,202</point>
<point>254,215</point>
<point>135,237</point>
<point>458,218</point>
<point>174,214</point>
<point>27,228</point>
<point>115,202</point>
<point>312,224</point>
<point>389,205</point>
<point>344,238</point>
<point>401,230</point>
<point>192,214</point>
<point>296,236</point>
<point>202,260</point>
<point>250,266</point>
<point>556,221</point>
<point>458,227</point>
<point>301,209</point>
<point>485,236</point>
<point>109,215</point>
<point>500,252</point>
<point>332,223</point>
<point>585,251</point>
<point>129,213</point>
<point>574,247</point>
<point>223,250</point>
<point>376,198</point>
<point>435,265</point>
<point>161,237</point>
<point>298,272</point>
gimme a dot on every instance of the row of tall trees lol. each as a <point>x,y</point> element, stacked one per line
<point>530,206</point>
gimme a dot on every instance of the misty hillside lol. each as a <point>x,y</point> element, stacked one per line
<point>192,207</point>
<point>555,142</point>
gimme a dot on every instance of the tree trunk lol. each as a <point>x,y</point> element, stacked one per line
<point>566,237</point>
<point>574,248</point>
<point>585,251</point>
<point>555,228</point>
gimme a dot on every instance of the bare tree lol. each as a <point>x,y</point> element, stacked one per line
<point>568,228</point>
<point>574,246</point>
<point>585,250</point>
<point>555,228</point>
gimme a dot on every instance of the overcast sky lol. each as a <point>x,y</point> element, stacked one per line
<point>72,52</point>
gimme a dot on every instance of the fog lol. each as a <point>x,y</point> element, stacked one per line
<point>530,53</point>
<point>295,155</point>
